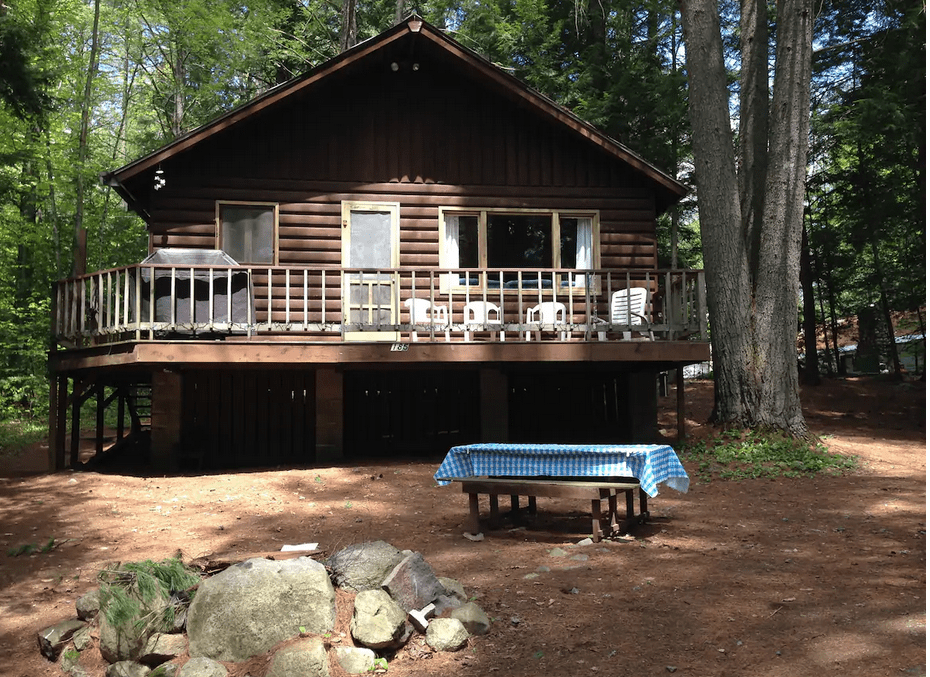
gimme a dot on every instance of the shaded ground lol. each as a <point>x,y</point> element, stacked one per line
<point>773,578</point>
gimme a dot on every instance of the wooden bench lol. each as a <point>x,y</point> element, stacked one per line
<point>594,489</point>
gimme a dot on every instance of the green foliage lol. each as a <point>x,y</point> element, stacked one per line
<point>24,549</point>
<point>146,595</point>
<point>868,193</point>
<point>22,83</point>
<point>737,455</point>
<point>167,67</point>
<point>16,434</point>
<point>30,548</point>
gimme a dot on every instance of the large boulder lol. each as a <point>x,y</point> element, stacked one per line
<point>453,588</point>
<point>306,658</point>
<point>161,648</point>
<point>473,618</point>
<point>123,641</point>
<point>202,667</point>
<point>248,608</point>
<point>127,669</point>
<point>377,621</point>
<point>412,583</point>
<point>53,639</point>
<point>355,660</point>
<point>363,566</point>
<point>446,634</point>
<point>88,604</point>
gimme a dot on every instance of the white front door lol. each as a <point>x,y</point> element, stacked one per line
<point>370,240</point>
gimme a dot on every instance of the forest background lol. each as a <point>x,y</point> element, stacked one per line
<point>89,85</point>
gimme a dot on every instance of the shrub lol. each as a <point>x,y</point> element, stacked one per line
<point>148,595</point>
<point>744,454</point>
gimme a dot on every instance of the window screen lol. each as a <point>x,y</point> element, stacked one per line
<point>247,232</point>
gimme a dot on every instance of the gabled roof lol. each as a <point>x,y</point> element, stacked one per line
<point>669,189</point>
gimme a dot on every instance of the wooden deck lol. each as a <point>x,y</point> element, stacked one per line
<point>243,353</point>
<point>152,303</point>
<point>245,366</point>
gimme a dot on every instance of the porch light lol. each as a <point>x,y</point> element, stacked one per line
<point>394,66</point>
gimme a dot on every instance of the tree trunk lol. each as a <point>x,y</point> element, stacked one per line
<point>86,104</point>
<point>349,34</point>
<point>834,329</point>
<point>886,310</point>
<point>676,211</point>
<point>52,203</point>
<point>596,43</point>
<point>776,311</point>
<point>727,266</point>
<point>178,77</point>
<point>754,311</point>
<point>753,120</point>
<point>811,362</point>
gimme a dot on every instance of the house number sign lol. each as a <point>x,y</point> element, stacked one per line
<point>399,347</point>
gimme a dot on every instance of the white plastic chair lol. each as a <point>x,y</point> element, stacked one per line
<point>549,313</point>
<point>479,315</point>
<point>627,307</point>
<point>423,312</point>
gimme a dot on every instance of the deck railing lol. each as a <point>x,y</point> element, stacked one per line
<point>157,301</point>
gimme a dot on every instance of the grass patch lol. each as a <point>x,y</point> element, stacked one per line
<point>17,434</point>
<point>747,454</point>
<point>30,548</point>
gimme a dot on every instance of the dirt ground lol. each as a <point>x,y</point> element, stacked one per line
<point>770,578</point>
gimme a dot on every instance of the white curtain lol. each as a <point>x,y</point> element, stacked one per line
<point>452,241</point>
<point>584,248</point>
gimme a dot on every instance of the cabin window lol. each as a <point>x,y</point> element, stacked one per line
<point>248,231</point>
<point>520,241</point>
<point>532,239</point>
<point>461,241</point>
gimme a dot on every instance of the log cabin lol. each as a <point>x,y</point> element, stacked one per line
<point>402,250</point>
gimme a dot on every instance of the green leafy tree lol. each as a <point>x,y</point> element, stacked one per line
<point>868,226</point>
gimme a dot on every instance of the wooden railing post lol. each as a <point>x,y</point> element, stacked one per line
<point>702,306</point>
<point>101,307</point>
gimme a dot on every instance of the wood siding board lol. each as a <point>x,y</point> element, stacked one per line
<point>313,194</point>
<point>425,196</point>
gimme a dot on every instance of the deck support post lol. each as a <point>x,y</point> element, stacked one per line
<point>680,403</point>
<point>495,414</point>
<point>101,409</point>
<point>121,413</point>
<point>62,423</point>
<point>166,419</point>
<point>76,401</point>
<point>329,414</point>
<point>52,422</point>
<point>57,421</point>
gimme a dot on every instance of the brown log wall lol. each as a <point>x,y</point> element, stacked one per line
<point>423,139</point>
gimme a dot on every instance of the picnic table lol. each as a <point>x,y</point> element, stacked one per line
<point>595,472</point>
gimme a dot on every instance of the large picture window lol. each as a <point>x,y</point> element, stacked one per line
<point>248,232</point>
<point>534,239</point>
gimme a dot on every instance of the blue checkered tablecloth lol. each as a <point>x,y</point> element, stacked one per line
<point>649,463</point>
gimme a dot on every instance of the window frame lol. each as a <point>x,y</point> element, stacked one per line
<point>349,206</point>
<point>275,210</point>
<point>483,213</point>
